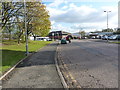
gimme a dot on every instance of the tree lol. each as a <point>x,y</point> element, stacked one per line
<point>13,13</point>
<point>118,31</point>
<point>107,30</point>
<point>9,10</point>
<point>82,33</point>
<point>39,20</point>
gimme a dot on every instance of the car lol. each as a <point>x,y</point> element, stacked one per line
<point>93,37</point>
<point>105,37</point>
<point>114,37</point>
<point>83,37</point>
<point>49,39</point>
<point>63,41</point>
<point>118,37</point>
<point>43,39</point>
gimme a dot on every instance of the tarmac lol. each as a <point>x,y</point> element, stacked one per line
<point>38,71</point>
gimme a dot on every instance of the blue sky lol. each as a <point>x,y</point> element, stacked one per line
<point>87,16</point>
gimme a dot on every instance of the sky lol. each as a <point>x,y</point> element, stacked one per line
<point>74,16</point>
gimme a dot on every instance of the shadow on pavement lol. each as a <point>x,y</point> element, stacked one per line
<point>42,57</point>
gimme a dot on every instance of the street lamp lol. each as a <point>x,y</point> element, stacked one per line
<point>107,17</point>
<point>107,20</point>
<point>79,34</point>
<point>58,35</point>
<point>26,33</point>
<point>53,36</point>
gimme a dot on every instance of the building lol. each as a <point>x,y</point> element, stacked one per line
<point>58,34</point>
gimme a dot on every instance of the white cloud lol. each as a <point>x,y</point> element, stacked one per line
<point>84,16</point>
<point>64,7</point>
<point>54,12</point>
<point>76,14</point>
<point>57,3</point>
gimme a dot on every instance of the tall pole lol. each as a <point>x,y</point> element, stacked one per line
<point>107,21</point>
<point>53,36</point>
<point>26,34</point>
<point>58,35</point>
<point>107,17</point>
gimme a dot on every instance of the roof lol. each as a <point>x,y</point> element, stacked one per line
<point>63,32</point>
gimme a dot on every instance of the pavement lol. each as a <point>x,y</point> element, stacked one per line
<point>39,71</point>
<point>92,64</point>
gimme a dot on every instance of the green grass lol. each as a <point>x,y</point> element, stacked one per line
<point>116,42</point>
<point>12,52</point>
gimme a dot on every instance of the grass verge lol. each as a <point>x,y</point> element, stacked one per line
<point>12,52</point>
<point>116,42</point>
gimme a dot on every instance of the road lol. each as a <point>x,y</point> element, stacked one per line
<point>92,64</point>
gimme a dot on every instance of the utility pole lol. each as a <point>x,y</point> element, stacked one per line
<point>26,33</point>
<point>53,36</point>
<point>80,34</point>
<point>107,21</point>
<point>58,36</point>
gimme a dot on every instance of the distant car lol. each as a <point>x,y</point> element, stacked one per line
<point>93,37</point>
<point>114,37</point>
<point>118,37</point>
<point>43,39</point>
<point>105,37</point>
<point>49,39</point>
<point>84,38</point>
<point>63,41</point>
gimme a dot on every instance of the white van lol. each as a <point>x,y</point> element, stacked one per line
<point>43,39</point>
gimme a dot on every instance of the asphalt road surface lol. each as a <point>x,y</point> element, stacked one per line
<point>93,64</point>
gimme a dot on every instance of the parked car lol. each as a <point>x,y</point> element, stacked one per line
<point>118,37</point>
<point>83,37</point>
<point>105,37</point>
<point>49,39</point>
<point>43,39</point>
<point>93,37</point>
<point>115,37</point>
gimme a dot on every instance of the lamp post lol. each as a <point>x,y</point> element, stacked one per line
<point>53,36</point>
<point>58,35</point>
<point>107,17</point>
<point>107,20</point>
<point>26,33</point>
<point>79,34</point>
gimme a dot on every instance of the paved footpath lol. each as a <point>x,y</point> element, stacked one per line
<point>38,71</point>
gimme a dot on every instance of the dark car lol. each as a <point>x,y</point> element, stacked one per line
<point>118,37</point>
